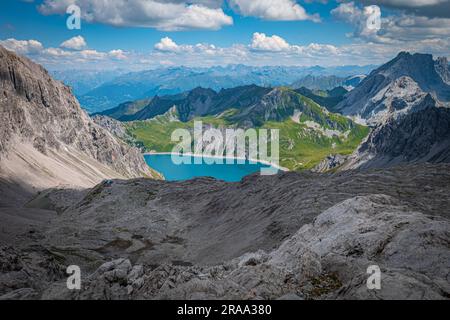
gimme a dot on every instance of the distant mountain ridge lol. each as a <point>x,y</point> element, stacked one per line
<point>144,84</point>
<point>327,82</point>
<point>83,81</point>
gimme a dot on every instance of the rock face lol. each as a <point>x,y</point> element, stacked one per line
<point>308,235</point>
<point>409,124</point>
<point>422,136</point>
<point>430,75</point>
<point>111,125</point>
<point>400,97</point>
<point>45,137</point>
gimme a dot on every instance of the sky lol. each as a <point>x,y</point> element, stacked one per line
<point>146,34</point>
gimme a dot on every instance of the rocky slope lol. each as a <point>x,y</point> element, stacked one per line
<point>400,97</point>
<point>430,75</point>
<point>410,126</point>
<point>45,137</point>
<point>421,136</point>
<point>287,236</point>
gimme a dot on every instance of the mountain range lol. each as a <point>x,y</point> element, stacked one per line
<point>73,192</point>
<point>145,84</point>
<point>83,81</point>
<point>321,82</point>
<point>244,99</point>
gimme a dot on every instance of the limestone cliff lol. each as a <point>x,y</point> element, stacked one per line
<point>46,139</point>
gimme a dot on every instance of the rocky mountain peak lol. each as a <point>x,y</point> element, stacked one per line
<point>431,76</point>
<point>48,137</point>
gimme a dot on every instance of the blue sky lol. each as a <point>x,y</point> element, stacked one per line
<point>211,32</point>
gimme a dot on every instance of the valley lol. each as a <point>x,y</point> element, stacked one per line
<point>302,145</point>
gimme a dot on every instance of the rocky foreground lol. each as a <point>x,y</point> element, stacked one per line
<point>291,236</point>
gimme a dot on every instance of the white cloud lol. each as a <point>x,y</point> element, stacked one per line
<point>27,47</point>
<point>317,49</point>
<point>167,44</point>
<point>268,43</point>
<point>118,54</point>
<point>272,9</point>
<point>261,42</point>
<point>75,43</point>
<point>92,54</point>
<point>348,12</point>
<point>169,15</point>
<point>56,53</point>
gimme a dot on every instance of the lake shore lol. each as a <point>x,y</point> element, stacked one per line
<point>220,157</point>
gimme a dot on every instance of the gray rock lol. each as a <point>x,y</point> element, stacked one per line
<point>49,139</point>
<point>416,137</point>
<point>430,76</point>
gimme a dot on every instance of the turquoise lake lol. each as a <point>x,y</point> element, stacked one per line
<point>228,172</point>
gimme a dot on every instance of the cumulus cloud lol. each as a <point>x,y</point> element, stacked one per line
<point>118,54</point>
<point>274,43</point>
<point>167,44</point>
<point>75,43</point>
<point>163,15</point>
<point>272,9</point>
<point>268,43</point>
